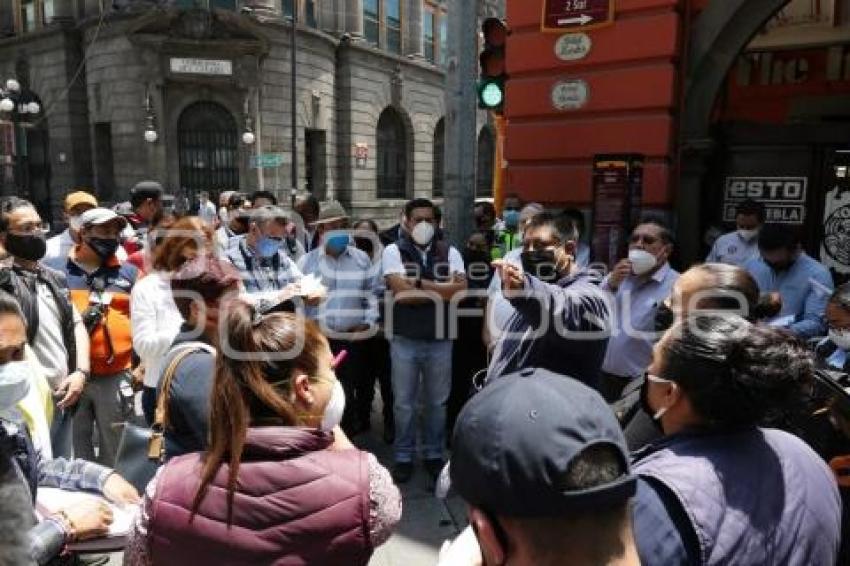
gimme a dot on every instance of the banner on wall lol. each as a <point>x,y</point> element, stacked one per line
<point>784,198</point>
<point>835,249</point>
<point>617,195</point>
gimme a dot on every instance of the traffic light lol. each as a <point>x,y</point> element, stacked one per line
<point>491,85</point>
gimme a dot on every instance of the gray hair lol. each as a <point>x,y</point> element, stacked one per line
<point>269,213</point>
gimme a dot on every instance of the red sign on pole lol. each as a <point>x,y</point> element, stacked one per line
<point>576,15</point>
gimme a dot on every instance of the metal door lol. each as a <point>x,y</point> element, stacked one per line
<point>209,149</point>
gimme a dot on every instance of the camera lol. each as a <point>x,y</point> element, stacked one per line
<point>92,316</point>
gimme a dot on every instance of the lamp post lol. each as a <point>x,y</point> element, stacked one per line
<point>17,103</point>
<point>293,107</point>
<point>150,133</point>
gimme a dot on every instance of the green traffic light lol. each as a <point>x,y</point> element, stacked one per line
<point>491,95</point>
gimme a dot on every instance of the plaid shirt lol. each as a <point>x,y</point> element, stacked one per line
<point>262,275</point>
<point>48,536</point>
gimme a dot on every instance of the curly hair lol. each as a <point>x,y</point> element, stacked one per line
<point>736,373</point>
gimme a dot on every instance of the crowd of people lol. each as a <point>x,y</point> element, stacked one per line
<point>636,415</point>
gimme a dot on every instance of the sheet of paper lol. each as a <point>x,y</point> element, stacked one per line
<point>50,500</point>
<point>311,285</point>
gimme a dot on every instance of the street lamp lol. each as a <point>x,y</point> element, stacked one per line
<point>150,121</point>
<point>17,102</point>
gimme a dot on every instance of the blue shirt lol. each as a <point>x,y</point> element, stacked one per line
<point>731,248</point>
<point>805,288</point>
<point>630,347</point>
<point>259,274</point>
<point>352,281</point>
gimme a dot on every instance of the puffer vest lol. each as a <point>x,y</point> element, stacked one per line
<point>428,320</point>
<point>296,503</point>
<point>756,496</point>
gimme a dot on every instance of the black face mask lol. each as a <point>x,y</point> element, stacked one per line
<point>664,318</point>
<point>779,267</point>
<point>105,248</point>
<point>31,247</point>
<point>644,404</point>
<point>364,245</point>
<point>541,264</point>
<point>240,225</point>
<point>476,256</point>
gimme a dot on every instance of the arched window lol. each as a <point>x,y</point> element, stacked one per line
<point>392,155</point>
<point>439,157</point>
<point>486,151</point>
<point>208,147</point>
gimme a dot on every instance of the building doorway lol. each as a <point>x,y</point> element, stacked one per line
<point>208,145</point>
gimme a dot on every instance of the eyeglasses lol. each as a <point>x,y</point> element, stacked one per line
<point>30,228</point>
<point>645,238</point>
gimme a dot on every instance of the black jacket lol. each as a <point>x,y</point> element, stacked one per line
<point>21,283</point>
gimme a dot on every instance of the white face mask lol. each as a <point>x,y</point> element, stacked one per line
<point>75,223</point>
<point>748,235</point>
<point>642,261</point>
<point>423,233</point>
<point>334,409</point>
<point>222,214</point>
<point>840,338</point>
<point>14,384</point>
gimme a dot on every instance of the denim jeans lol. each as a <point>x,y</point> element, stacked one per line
<point>432,360</point>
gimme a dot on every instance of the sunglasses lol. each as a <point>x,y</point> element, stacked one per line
<point>646,239</point>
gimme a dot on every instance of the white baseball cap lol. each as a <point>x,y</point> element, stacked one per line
<point>100,216</point>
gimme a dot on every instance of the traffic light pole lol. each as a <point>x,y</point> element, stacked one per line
<point>499,162</point>
<point>461,119</point>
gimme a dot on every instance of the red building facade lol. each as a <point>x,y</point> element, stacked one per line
<point>710,96</point>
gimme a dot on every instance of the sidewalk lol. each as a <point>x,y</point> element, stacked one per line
<point>425,522</point>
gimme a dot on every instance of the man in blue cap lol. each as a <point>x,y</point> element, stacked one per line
<point>543,466</point>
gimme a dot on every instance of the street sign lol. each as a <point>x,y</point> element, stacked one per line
<point>267,160</point>
<point>573,46</point>
<point>784,198</point>
<point>576,15</point>
<point>570,94</point>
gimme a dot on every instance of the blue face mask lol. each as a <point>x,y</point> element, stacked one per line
<point>337,243</point>
<point>267,247</point>
<point>511,218</point>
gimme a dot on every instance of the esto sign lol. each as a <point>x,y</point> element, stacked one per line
<point>784,198</point>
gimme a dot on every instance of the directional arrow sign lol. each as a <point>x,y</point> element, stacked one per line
<point>576,15</point>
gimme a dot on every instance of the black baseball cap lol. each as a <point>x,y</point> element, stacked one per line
<point>515,440</point>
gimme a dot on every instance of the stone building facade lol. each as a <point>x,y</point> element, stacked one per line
<point>203,73</point>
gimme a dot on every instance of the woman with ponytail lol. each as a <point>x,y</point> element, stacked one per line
<point>280,483</point>
<point>717,488</point>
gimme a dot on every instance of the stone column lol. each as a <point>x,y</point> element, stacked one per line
<point>62,12</point>
<point>7,17</point>
<point>412,29</point>
<point>353,17</point>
